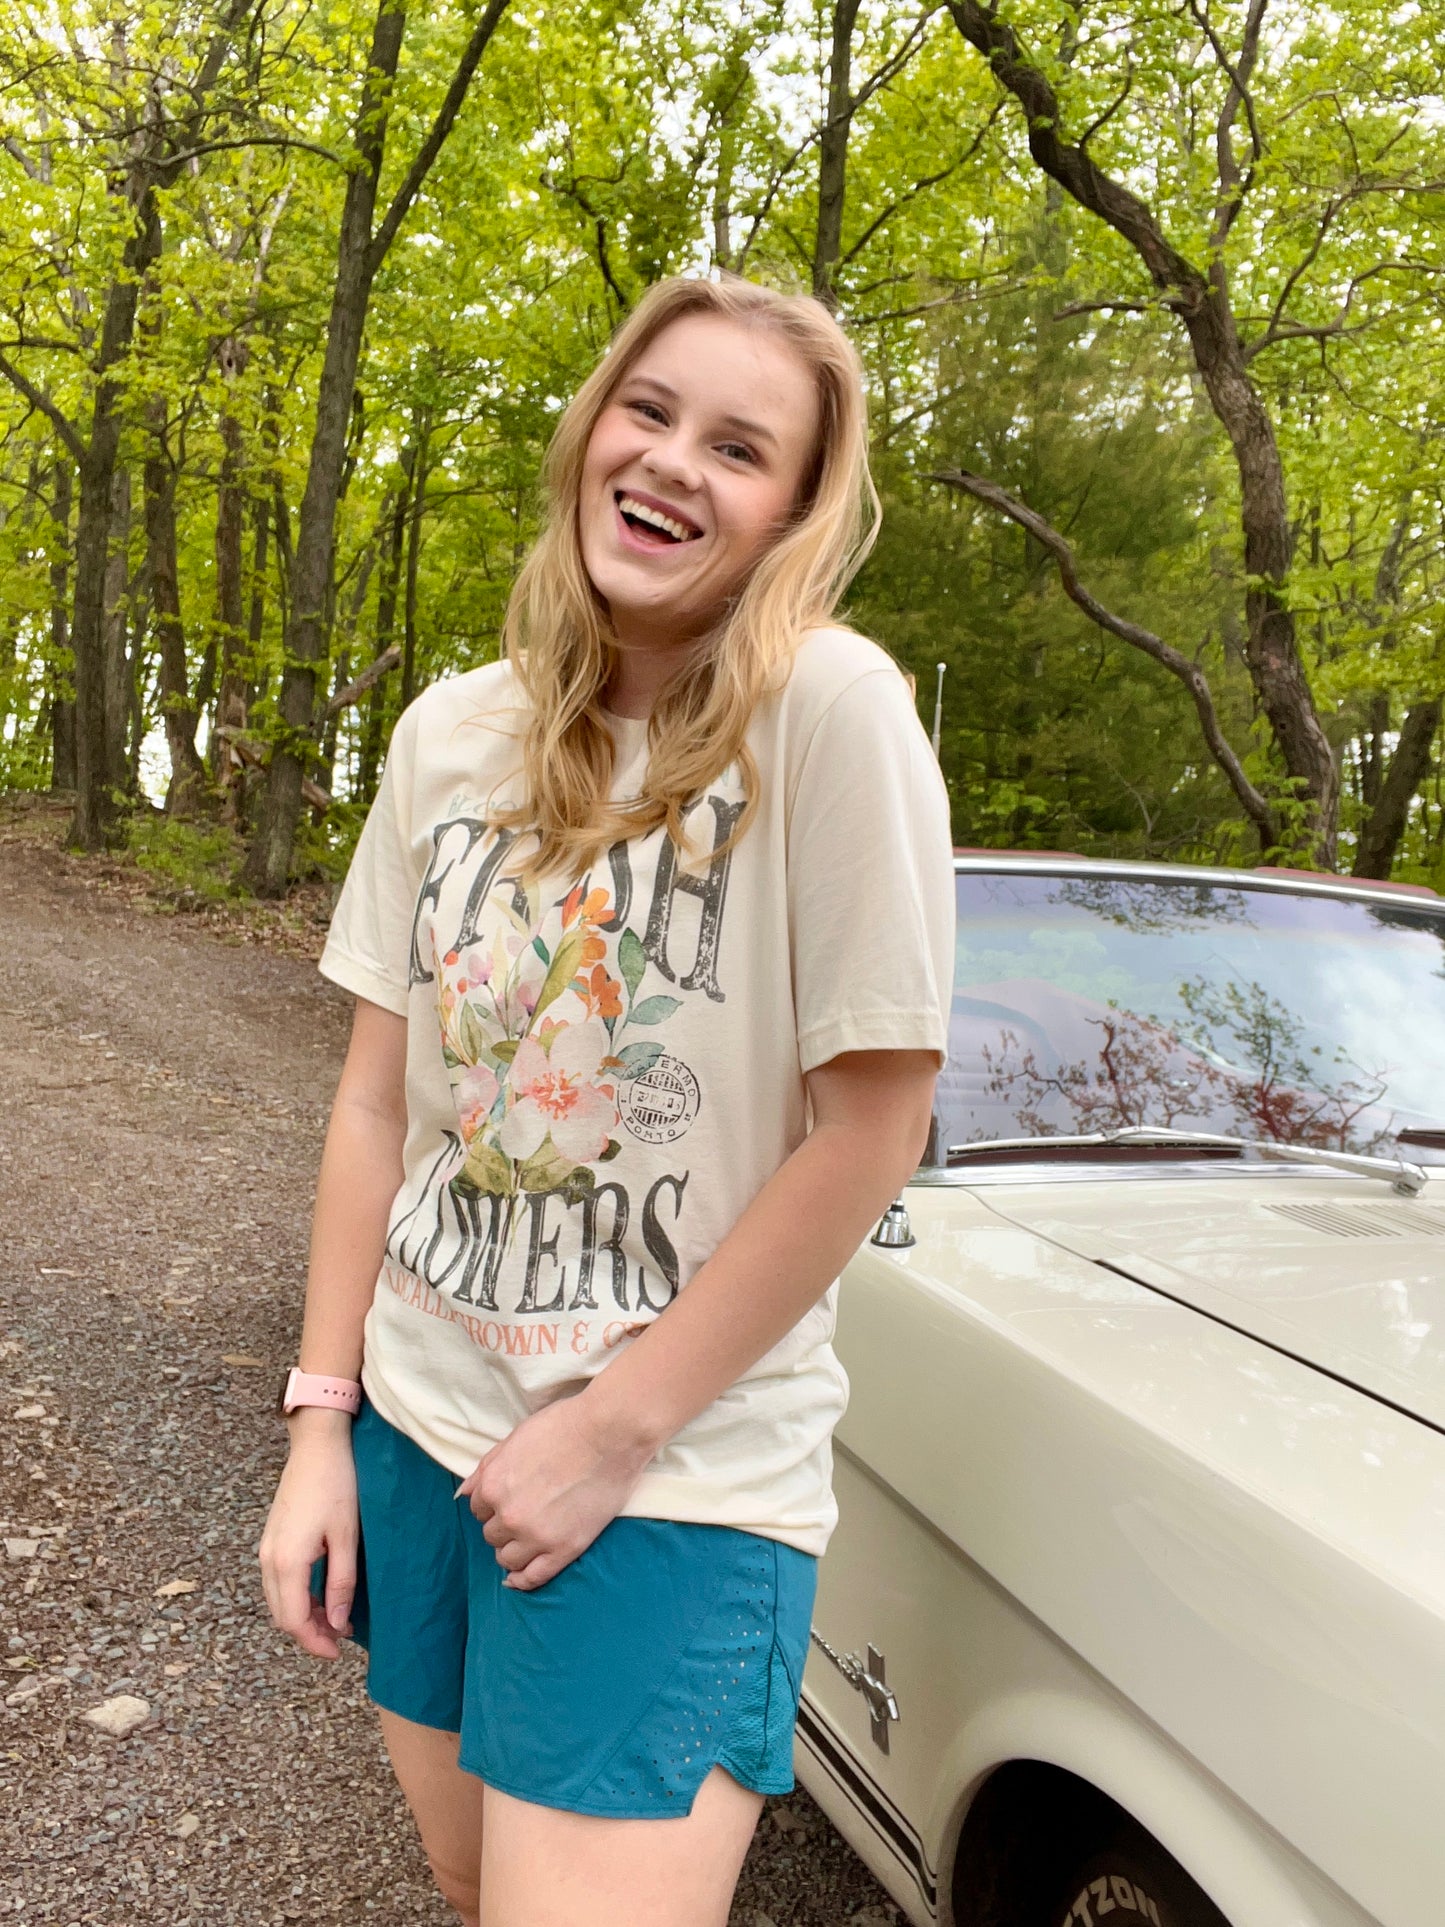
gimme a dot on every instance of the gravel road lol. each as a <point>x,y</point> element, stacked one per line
<point>166,1083</point>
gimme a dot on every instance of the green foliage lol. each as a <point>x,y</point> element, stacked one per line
<point>198,861</point>
<point>1001,327</point>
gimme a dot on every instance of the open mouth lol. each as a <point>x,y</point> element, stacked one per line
<point>650,527</point>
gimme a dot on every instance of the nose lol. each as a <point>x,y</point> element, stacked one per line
<point>672,460</point>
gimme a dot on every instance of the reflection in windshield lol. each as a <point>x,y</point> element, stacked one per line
<point>1083,1004</point>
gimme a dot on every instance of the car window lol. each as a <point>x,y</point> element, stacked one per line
<point>1082,1003</point>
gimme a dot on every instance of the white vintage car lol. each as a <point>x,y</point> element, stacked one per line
<point>1135,1611</point>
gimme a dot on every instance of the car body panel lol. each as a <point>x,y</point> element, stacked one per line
<point>1352,1282</point>
<point>1239,1553</point>
<point>889,1577</point>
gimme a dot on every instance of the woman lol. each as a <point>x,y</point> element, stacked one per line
<point>651,932</point>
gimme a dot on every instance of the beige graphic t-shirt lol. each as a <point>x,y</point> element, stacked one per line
<point>602,1073</point>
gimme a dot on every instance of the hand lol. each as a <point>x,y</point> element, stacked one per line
<point>545,1492</point>
<point>314,1511</point>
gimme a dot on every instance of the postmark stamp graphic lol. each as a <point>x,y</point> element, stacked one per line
<point>659,1105</point>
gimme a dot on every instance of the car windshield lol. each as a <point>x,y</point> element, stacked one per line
<point>1083,1003</point>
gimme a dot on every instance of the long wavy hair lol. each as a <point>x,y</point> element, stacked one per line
<point>562,647</point>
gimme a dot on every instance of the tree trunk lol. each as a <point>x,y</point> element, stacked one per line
<point>1201,300</point>
<point>268,860</point>
<point>95,729</point>
<point>230,591</point>
<point>1409,766</point>
<point>116,663</point>
<point>179,714</point>
<point>368,759</point>
<point>833,154</point>
<point>360,253</point>
<point>62,689</point>
<point>413,555</point>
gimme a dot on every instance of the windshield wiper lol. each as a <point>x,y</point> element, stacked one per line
<point>1404,1176</point>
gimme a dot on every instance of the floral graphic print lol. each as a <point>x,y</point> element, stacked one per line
<point>532,1037</point>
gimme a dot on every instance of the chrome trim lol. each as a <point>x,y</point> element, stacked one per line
<point>893,1231</point>
<point>1403,1175</point>
<point>1129,870</point>
<point>980,1173</point>
<point>869,1680</point>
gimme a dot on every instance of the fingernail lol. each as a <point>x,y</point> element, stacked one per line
<point>460,1490</point>
<point>337,1616</point>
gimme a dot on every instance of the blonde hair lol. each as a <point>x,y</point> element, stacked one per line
<point>556,632</point>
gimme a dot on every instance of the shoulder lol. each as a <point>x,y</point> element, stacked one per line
<point>840,680</point>
<point>830,660</point>
<point>488,692</point>
<point>433,720</point>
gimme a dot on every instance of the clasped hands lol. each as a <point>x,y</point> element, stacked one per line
<point>546,1492</point>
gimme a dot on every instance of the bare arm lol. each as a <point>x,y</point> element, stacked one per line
<point>361,1169</point>
<point>870,1123</point>
<point>547,1491</point>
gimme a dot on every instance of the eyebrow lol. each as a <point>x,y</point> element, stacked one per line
<point>729,421</point>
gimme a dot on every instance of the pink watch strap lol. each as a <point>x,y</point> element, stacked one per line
<point>318,1388</point>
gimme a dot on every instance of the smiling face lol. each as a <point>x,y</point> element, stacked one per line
<point>691,471</point>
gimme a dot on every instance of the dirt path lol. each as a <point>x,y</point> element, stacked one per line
<point>165,1096</point>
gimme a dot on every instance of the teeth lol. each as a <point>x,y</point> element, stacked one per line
<point>629,505</point>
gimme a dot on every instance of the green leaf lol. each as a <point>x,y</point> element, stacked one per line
<point>505,1048</point>
<point>637,1058</point>
<point>487,1169</point>
<point>545,1170</point>
<point>472,1034</point>
<point>631,961</point>
<point>561,971</point>
<point>652,1010</point>
<point>541,949</point>
<point>450,1058</point>
<point>613,1147</point>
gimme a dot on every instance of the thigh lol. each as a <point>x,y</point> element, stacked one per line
<point>446,1803</point>
<point>545,1867</point>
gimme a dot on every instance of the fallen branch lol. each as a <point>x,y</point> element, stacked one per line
<point>373,673</point>
<point>258,758</point>
<point>1189,674</point>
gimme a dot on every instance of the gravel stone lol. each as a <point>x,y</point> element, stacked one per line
<point>121,1715</point>
<point>167,1081</point>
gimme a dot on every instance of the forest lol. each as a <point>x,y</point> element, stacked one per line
<point>1149,295</point>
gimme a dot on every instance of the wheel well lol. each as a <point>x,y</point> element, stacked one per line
<point>1028,1824</point>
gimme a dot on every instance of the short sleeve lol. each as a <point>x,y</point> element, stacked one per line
<point>368,945</point>
<point>871,907</point>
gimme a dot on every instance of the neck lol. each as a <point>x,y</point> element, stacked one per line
<point>641,668</point>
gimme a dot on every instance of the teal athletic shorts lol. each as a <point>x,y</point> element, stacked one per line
<point>663,1650</point>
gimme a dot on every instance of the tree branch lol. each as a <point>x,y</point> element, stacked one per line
<point>442,126</point>
<point>1101,307</point>
<point>958,296</point>
<point>1233,185</point>
<point>895,62</point>
<point>38,398</point>
<point>1182,282</point>
<point>1177,664</point>
<point>258,140</point>
<point>373,673</point>
<point>929,180</point>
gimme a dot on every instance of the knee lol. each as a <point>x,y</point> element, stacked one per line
<point>461,1889</point>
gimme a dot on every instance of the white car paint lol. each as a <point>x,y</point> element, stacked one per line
<point>1176,1525</point>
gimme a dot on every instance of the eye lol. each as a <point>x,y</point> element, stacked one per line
<point>657,413</point>
<point>742,449</point>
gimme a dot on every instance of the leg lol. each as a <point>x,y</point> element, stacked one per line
<point>446,1804</point>
<point>542,1867</point>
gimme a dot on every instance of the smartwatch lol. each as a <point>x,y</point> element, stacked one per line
<point>300,1388</point>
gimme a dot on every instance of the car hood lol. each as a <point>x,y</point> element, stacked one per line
<point>1347,1276</point>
